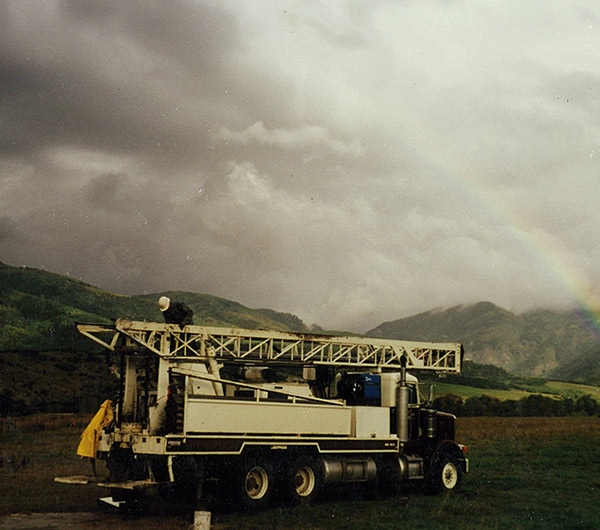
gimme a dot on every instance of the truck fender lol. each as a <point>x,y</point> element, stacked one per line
<point>447,448</point>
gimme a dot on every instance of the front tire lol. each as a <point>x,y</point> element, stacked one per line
<point>445,474</point>
<point>450,475</point>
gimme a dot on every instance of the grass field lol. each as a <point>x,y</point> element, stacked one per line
<point>466,392</point>
<point>526,473</point>
<point>549,389</point>
<point>573,390</point>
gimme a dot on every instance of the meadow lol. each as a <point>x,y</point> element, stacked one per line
<point>525,473</point>
<point>553,389</point>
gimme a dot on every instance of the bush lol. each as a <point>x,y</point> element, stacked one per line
<point>533,405</point>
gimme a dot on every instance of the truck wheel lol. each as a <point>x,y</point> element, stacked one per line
<point>254,483</point>
<point>450,475</point>
<point>302,481</point>
<point>445,474</point>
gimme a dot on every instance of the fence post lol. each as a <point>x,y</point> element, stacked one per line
<point>201,520</point>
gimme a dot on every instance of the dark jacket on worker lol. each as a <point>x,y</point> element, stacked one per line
<point>178,313</point>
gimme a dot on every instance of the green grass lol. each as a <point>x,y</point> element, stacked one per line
<point>573,390</point>
<point>526,473</point>
<point>466,392</point>
<point>548,389</point>
<point>31,456</point>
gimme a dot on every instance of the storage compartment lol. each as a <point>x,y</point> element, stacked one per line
<point>371,422</point>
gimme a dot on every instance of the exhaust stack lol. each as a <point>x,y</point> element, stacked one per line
<point>402,407</point>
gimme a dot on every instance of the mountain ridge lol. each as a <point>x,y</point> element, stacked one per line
<point>540,342</point>
<point>38,310</point>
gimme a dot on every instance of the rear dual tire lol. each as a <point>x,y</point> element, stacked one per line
<point>258,478</point>
<point>254,483</point>
<point>302,481</point>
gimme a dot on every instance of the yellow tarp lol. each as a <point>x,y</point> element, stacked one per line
<point>89,437</point>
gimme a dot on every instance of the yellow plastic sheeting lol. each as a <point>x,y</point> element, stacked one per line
<point>89,438</point>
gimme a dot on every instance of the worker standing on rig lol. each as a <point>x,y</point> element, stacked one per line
<point>175,312</point>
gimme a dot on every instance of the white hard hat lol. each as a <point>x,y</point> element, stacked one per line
<point>164,303</point>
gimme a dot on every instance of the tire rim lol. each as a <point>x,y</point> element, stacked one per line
<point>256,483</point>
<point>449,475</point>
<point>304,481</point>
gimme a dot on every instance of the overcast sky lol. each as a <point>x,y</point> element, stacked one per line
<point>348,162</point>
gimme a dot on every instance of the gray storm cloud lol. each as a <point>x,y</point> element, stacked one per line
<point>347,163</point>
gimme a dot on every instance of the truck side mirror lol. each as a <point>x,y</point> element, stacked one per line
<point>431,394</point>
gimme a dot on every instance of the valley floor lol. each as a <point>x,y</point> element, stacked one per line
<point>525,473</point>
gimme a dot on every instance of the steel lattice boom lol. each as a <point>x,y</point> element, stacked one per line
<point>259,346</point>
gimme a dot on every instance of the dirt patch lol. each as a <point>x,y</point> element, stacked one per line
<point>49,521</point>
<point>87,521</point>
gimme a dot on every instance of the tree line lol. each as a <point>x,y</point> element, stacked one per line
<point>532,405</point>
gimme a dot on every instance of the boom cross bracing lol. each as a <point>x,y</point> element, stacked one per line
<point>233,344</point>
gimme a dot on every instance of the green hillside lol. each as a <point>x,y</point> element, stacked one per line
<point>32,381</point>
<point>554,389</point>
<point>45,365</point>
<point>38,310</point>
<point>533,343</point>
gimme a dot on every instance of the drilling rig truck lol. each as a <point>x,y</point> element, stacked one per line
<point>202,408</point>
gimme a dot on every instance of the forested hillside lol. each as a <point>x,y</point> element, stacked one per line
<point>38,310</point>
<point>541,342</point>
<point>584,368</point>
<point>46,365</point>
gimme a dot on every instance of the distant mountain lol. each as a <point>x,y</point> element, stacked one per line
<point>38,310</point>
<point>537,342</point>
<point>584,368</point>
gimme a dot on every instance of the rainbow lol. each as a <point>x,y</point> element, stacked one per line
<point>550,255</point>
